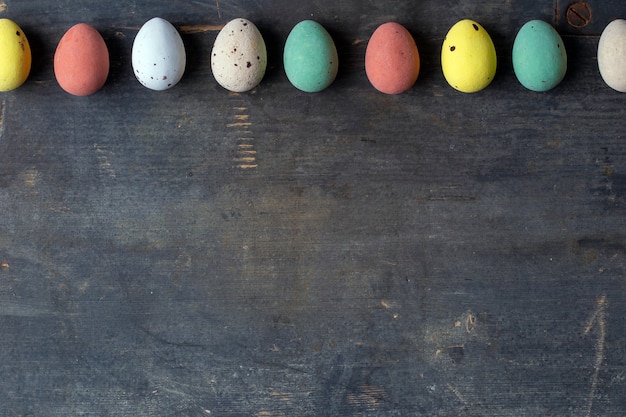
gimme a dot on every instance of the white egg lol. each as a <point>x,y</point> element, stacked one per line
<point>239,56</point>
<point>158,55</point>
<point>612,55</point>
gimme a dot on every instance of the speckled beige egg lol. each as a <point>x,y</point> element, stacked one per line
<point>239,56</point>
<point>612,55</point>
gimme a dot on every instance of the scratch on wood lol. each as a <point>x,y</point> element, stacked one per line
<point>103,156</point>
<point>368,397</point>
<point>248,159</point>
<point>31,178</point>
<point>191,29</point>
<point>126,27</point>
<point>279,394</point>
<point>239,124</point>
<point>452,198</point>
<point>457,394</point>
<point>246,154</point>
<point>2,110</point>
<point>598,317</point>
<point>470,323</point>
<point>217,5</point>
<point>448,193</point>
<point>4,265</point>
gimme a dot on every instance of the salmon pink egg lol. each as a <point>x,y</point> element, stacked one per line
<point>81,61</point>
<point>392,62</point>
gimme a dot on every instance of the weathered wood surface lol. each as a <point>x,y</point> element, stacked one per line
<point>432,253</point>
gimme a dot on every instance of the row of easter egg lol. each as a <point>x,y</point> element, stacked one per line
<point>239,57</point>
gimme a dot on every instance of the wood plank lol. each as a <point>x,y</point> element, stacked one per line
<point>194,252</point>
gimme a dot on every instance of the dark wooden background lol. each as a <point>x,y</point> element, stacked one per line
<point>346,253</point>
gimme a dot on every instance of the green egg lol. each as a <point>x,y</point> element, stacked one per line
<point>539,57</point>
<point>310,57</point>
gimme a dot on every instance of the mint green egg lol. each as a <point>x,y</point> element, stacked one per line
<point>539,57</point>
<point>310,57</point>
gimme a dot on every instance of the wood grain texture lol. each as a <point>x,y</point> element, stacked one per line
<point>277,253</point>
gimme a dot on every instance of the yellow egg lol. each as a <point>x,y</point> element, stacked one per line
<point>15,57</point>
<point>468,57</point>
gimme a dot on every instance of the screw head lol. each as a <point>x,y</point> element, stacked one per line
<point>578,14</point>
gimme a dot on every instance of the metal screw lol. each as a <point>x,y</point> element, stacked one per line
<point>578,14</point>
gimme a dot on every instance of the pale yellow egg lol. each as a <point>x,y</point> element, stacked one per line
<point>15,56</point>
<point>468,57</point>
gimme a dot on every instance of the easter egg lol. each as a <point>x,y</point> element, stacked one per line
<point>468,57</point>
<point>15,56</point>
<point>612,55</point>
<point>239,56</point>
<point>310,57</point>
<point>81,60</point>
<point>158,55</point>
<point>392,62</point>
<point>539,57</point>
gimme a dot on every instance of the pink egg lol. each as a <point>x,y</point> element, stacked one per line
<point>81,61</point>
<point>392,62</point>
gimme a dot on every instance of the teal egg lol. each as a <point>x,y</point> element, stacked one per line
<point>310,57</point>
<point>539,57</point>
